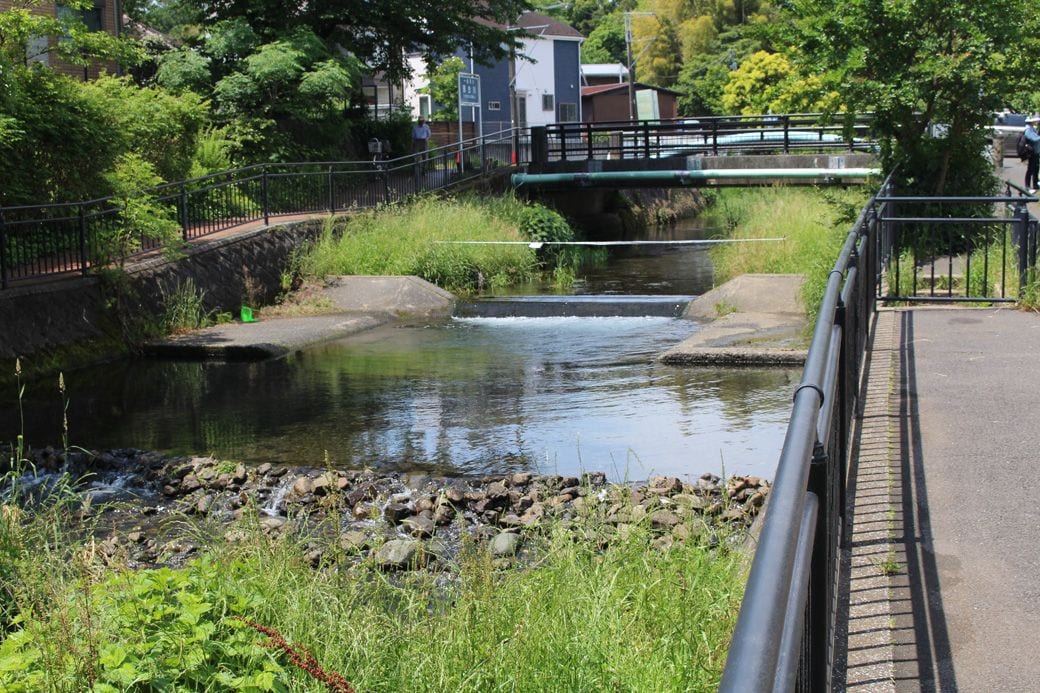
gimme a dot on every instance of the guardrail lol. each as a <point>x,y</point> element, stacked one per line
<point>958,256</point>
<point>648,139</point>
<point>785,634</point>
<point>51,240</point>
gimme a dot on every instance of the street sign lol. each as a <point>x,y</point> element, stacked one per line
<point>469,89</point>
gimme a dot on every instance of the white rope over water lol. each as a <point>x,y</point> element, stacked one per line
<point>539,244</point>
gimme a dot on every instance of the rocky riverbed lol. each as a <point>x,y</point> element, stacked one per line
<point>135,502</point>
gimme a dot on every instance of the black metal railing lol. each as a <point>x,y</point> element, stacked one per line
<point>810,132</point>
<point>785,635</point>
<point>956,249</point>
<point>52,240</point>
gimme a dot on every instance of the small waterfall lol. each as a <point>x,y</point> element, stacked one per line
<point>273,505</point>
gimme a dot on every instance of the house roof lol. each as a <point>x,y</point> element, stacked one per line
<point>623,86</point>
<point>543,25</point>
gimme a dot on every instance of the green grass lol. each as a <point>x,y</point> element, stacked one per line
<point>813,223</point>
<point>408,240</point>
<point>627,617</point>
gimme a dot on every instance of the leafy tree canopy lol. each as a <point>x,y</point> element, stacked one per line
<point>380,33</point>
<point>917,63</point>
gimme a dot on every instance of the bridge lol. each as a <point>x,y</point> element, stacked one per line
<point>800,149</point>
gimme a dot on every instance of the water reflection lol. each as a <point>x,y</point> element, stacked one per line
<point>468,396</point>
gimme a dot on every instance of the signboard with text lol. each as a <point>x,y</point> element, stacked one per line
<point>469,89</point>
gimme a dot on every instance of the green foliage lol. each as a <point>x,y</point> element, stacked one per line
<point>606,42</point>
<point>767,83</point>
<point>156,629</point>
<point>27,21</point>
<point>444,88</point>
<point>416,240</point>
<point>159,126</point>
<point>814,226</point>
<point>380,34</point>
<point>68,134</point>
<point>184,308</point>
<point>589,615</point>
<point>283,99</point>
<point>917,64</point>
<point>140,217</point>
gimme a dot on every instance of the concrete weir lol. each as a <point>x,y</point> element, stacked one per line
<point>360,303</point>
<point>751,320</point>
<point>573,306</point>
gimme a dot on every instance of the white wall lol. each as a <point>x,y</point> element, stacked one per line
<point>417,81</point>
<point>535,79</point>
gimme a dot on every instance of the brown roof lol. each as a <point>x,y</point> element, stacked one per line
<point>544,25</point>
<point>603,88</point>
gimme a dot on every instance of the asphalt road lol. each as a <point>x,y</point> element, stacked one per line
<point>970,384</point>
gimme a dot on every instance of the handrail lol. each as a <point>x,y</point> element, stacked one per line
<point>796,561</point>
<point>785,634</point>
<point>57,238</point>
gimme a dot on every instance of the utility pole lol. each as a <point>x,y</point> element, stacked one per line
<point>631,62</point>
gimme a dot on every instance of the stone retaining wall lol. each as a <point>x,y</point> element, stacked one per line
<point>41,322</point>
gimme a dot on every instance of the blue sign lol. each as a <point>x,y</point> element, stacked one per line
<point>469,89</point>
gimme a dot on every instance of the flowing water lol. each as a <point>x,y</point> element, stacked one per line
<point>466,396</point>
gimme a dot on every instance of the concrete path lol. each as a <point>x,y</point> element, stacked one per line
<point>945,580</point>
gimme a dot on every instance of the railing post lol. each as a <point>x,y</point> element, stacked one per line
<point>266,194</point>
<point>82,240</point>
<point>183,211</point>
<point>820,584</point>
<point>1021,234</point>
<point>331,201</point>
<point>715,136</point>
<point>539,146</point>
<point>646,139</point>
<point>787,140</point>
<point>3,250</point>
<point>588,139</point>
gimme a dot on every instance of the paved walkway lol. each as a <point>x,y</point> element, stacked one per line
<point>945,575</point>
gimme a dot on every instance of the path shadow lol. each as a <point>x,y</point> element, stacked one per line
<point>923,658</point>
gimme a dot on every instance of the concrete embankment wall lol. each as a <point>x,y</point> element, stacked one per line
<point>78,320</point>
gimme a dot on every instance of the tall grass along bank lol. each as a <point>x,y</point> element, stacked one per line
<point>813,223</point>
<point>612,587</point>
<point>461,244</point>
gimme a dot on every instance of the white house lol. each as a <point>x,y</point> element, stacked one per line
<point>547,78</point>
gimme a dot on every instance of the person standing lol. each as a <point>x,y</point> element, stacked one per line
<point>1032,137</point>
<point>420,137</point>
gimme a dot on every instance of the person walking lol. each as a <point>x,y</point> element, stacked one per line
<point>420,137</point>
<point>1032,138</point>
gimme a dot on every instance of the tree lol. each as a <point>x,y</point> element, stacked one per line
<point>66,35</point>
<point>444,88</point>
<point>918,63</point>
<point>285,98</point>
<point>606,43</point>
<point>380,33</point>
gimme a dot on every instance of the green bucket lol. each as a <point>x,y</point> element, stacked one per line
<point>246,314</point>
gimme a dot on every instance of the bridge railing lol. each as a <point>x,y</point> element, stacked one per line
<point>42,241</point>
<point>786,633</point>
<point>649,139</point>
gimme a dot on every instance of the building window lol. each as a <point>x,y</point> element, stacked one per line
<point>90,16</point>
<point>521,111</point>
<point>548,103</point>
<point>494,105</point>
<point>425,105</point>
<point>568,112</point>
